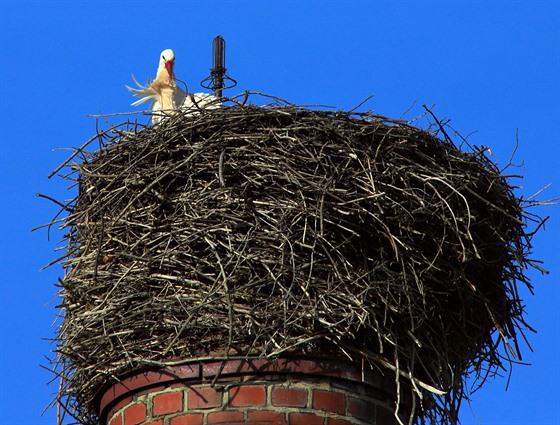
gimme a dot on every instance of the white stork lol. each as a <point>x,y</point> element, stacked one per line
<point>164,94</point>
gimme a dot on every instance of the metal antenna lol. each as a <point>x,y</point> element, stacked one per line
<point>218,72</point>
<point>218,64</point>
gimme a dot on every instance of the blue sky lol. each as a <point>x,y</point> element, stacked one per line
<point>492,67</point>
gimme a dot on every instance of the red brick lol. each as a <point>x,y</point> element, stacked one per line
<point>168,403</point>
<point>117,420</point>
<point>305,419</point>
<point>135,414</point>
<point>124,402</point>
<point>247,395</point>
<point>160,422</point>
<point>294,397</point>
<point>225,367</point>
<point>204,398</point>
<point>144,383</point>
<point>224,417</point>
<point>268,416</point>
<point>328,401</point>
<point>190,419</point>
<point>360,409</point>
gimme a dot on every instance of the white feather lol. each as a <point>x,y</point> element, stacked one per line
<point>145,93</point>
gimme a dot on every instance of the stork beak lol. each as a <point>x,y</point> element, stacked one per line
<point>169,67</point>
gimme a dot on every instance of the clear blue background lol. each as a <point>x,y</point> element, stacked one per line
<point>490,66</point>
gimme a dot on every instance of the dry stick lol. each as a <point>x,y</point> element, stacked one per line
<point>360,104</point>
<point>65,207</point>
<point>220,168</point>
<point>77,151</point>
<point>440,125</point>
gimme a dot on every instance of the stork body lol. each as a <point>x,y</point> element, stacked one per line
<point>165,97</point>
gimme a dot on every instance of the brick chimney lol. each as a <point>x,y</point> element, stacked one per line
<point>253,391</point>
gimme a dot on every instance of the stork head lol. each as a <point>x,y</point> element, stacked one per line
<point>167,61</point>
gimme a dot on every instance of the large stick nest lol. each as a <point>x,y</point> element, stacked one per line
<point>281,230</point>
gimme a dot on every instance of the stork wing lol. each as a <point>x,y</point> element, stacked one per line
<point>145,93</point>
<point>200,101</point>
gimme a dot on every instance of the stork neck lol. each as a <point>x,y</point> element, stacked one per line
<point>163,76</point>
